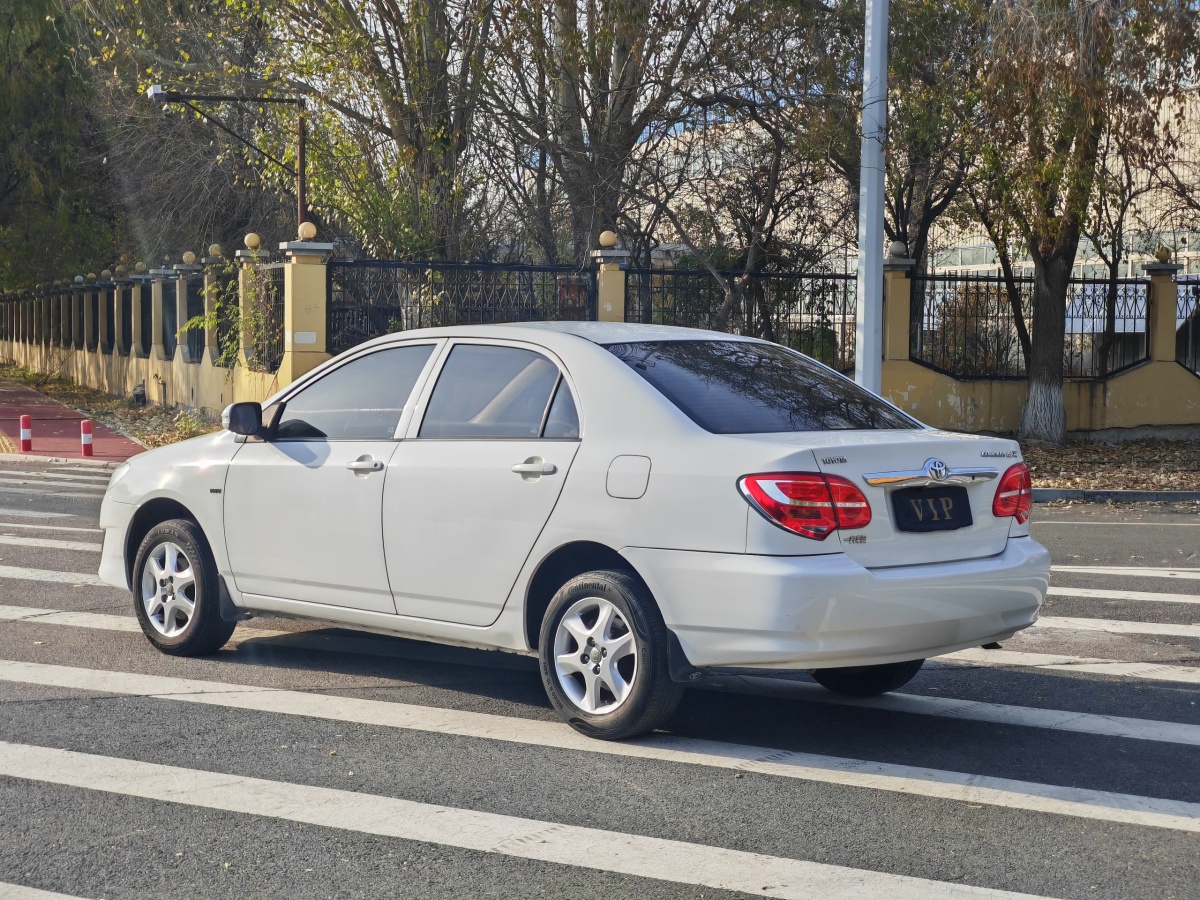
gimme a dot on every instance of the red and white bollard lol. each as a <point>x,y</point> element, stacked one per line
<point>26,434</point>
<point>85,435</point>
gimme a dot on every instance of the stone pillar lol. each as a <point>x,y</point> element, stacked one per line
<point>610,278</point>
<point>897,307</point>
<point>247,260</point>
<point>1162,303</point>
<point>304,309</point>
<point>157,348</point>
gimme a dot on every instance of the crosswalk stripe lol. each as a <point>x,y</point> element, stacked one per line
<point>912,780</point>
<point>41,492</point>
<point>49,527</point>
<point>994,713</point>
<point>57,473</point>
<point>1062,720</point>
<point>50,575</point>
<point>644,857</point>
<point>35,514</point>
<point>21,892</point>
<point>51,543</point>
<point>1117,626</point>
<point>1140,596</point>
<point>46,482</point>
<point>1135,571</point>
<point>1057,662</point>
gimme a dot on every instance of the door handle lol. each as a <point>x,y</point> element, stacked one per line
<point>539,468</point>
<point>365,465</point>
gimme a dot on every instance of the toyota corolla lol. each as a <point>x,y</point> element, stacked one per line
<point>638,506</point>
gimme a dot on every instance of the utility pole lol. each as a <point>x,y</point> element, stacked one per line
<point>868,335</point>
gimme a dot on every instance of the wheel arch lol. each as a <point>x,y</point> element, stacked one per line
<point>559,567</point>
<point>152,512</point>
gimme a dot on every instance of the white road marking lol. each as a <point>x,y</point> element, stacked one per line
<point>49,527</point>
<point>1132,571</point>
<point>1150,671</point>
<point>48,483</point>
<point>21,892</point>
<point>1052,719</point>
<point>44,493</point>
<point>1147,596</point>
<point>995,713</point>
<point>912,780</point>
<point>1117,626</point>
<point>50,575</point>
<point>570,845</point>
<point>49,543</point>
<point>102,478</point>
<point>1117,524</point>
<point>35,514</point>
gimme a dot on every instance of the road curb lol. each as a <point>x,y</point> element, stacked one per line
<point>1051,495</point>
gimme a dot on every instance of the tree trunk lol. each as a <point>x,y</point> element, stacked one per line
<point>1045,417</point>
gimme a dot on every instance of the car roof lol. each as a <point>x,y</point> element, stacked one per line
<point>620,332</point>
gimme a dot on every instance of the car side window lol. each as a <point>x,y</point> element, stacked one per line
<point>361,400</point>
<point>562,422</point>
<point>490,392</point>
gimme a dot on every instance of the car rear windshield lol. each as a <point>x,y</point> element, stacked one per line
<point>741,387</point>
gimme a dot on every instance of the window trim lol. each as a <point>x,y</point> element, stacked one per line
<point>280,405</point>
<point>430,385</point>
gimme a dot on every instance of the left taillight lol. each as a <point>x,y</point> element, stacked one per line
<point>1014,494</point>
<point>809,504</point>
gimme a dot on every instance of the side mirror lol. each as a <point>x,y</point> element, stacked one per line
<point>243,418</point>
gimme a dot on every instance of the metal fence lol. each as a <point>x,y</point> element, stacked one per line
<point>125,345</point>
<point>146,314</point>
<point>964,325</point>
<point>1187,324</point>
<point>811,312</point>
<point>368,298</point>
<point>170,317</point>
<point>262,318</point>
<point>193,348</point>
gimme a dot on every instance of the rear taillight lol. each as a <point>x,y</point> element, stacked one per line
<point>1014,495</point>
<point>807,503</point>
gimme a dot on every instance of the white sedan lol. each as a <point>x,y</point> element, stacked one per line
<point>637,505</point>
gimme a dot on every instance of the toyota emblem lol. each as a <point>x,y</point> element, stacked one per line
<point>937,469</point>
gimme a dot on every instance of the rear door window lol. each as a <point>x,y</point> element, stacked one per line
<point>487,391</point>
<point>744,387</point>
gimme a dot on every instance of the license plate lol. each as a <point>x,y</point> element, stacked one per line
<point>931,508</point>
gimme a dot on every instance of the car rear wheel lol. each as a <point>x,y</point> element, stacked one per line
<point>603,653</point>
<point>176,591</point>
<point>868,681</point>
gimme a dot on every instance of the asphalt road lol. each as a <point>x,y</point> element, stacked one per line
<point>306,762</point>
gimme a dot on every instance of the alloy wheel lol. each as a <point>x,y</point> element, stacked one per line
<point>169,589</point>
<point>595,655</point>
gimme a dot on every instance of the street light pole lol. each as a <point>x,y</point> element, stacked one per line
<point>157,94</point>
<point>868,350</point>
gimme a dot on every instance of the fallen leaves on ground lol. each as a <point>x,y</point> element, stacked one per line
<point>152,425</point>
<point>1143,465</point>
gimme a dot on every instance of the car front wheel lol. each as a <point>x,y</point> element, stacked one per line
<point>176,592</point>
<point>868,681</point>
<point>603,654</point>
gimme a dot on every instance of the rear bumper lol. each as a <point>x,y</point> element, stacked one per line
<point>809,612</point>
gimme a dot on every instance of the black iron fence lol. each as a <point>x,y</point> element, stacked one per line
<point>193,347</point>
<point>125,345</point>
<point>813,312</point>
<point>964,325</point>
<point>170,318</point>
<point>1187,324</point>
<point>371,297</point>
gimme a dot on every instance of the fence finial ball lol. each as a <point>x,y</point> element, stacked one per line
<point>91,276</point>
<point>608,239</point>
<point>214,250</point>
<point>189,258</point>
<point>106,275</point>
<point>898,250</point>
<point>140,268</point>
<point>1162,254</point>
<point>79,279</point>
<point>252,241</point>
<point>307,231</point>
<point>122,271</point>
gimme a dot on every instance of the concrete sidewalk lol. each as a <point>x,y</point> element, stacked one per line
<point>55,427</point>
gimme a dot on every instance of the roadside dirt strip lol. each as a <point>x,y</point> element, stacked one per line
<point>309,761</point>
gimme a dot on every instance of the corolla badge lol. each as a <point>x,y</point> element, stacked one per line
<point>937,469</point>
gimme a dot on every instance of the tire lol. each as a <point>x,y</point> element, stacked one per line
<point>868,681</point>
<point>175,591</point>
<point>611,696</point>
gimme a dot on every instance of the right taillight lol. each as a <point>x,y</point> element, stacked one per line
<point>1014,495</point>
<point>809,504</point>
